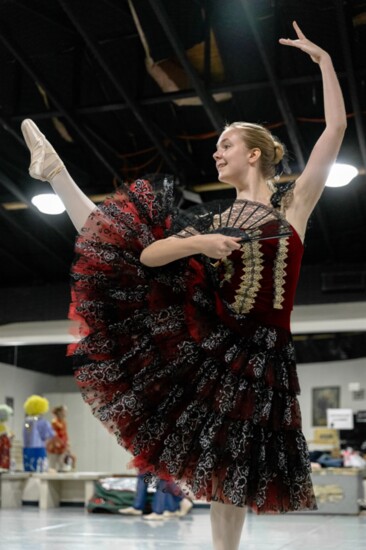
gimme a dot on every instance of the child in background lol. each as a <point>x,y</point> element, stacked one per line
<point>58,448</point>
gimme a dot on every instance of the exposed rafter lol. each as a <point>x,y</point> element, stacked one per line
<point>169,97</point>
<point>103,63</point>
<point>43,14</point>
<point>208,102</point>
<point>35,74</point>
<point>278,90</point>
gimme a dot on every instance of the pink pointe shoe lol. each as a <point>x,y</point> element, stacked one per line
<point>45,162</point>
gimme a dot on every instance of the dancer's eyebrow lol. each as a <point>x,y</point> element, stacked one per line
<point>221,142</point>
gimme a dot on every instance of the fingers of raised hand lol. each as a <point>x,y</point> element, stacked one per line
<point>288,42</point>
<point>298,31</point>
<point>301,38</point>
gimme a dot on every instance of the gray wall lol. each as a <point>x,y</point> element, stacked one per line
<point>97,450</point>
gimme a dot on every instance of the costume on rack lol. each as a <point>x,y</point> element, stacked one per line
<point>191,365</point>
<point>5,437</point>
<point>36,431</point>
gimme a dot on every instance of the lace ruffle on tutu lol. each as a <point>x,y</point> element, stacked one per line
<point>195,392</point>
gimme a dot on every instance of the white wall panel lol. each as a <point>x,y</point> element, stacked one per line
<point>96,449</point>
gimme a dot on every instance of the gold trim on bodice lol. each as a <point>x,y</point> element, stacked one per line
<point>248,289</point>
<point>243,272</point>
<point>279,273</point>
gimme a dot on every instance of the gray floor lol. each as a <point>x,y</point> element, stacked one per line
<point>74,529</point>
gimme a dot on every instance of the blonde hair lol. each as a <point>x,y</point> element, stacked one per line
<point>257,136</point>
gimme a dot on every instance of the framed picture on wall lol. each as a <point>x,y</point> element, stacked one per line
<point>324,398</point>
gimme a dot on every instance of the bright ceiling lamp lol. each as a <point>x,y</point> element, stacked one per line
<point>341,174</point>
<point>48,203</point>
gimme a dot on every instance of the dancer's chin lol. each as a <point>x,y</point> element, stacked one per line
<point>222,179</point>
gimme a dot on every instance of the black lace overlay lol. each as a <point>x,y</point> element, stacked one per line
<point>283,192</point>
<point>195,391</point>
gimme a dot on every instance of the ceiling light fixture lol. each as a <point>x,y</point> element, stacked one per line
<point>48,203</point>
<point>341,174</point>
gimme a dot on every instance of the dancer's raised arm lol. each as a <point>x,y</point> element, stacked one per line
<point>310,184</point>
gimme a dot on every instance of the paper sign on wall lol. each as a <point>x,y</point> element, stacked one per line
<point>340,419</point>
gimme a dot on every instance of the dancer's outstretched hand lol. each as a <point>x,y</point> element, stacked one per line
<point>316,53</point>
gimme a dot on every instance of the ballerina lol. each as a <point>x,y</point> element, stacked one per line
<point>189,362</point>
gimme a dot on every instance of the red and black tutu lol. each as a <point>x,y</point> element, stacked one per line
<point>196,392</point>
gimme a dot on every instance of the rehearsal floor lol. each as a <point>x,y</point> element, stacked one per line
<point>74,529</point>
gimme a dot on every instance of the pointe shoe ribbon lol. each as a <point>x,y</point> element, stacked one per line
<point>45,162</point>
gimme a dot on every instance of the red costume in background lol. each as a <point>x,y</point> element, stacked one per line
<point>5,451</point>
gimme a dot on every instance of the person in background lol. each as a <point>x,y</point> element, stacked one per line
<point>167,502</point>
<point>58,448</point>
<point>36,431</point>
<point>5,437</point>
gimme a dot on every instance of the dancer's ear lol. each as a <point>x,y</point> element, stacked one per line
<point>254,155</point>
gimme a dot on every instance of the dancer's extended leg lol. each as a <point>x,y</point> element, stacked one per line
<point>46,165</point>
<point>226,525</point>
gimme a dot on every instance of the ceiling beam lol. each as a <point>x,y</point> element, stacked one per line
<point>42,13</point>
<point>36,76</point>
<point>103,63</point>
<point>356,106</point>
<point>176,146</point>
<point>172,142</point>
<point>278,90</point>
<point>172,96</point>
<point>207,100</point>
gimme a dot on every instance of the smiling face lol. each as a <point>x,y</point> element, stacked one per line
<point>232,157</point>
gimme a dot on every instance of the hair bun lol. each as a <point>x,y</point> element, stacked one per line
<point>279,152</point>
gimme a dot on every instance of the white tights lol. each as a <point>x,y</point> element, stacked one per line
<point>77,204</point>
<point>227,523</point>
